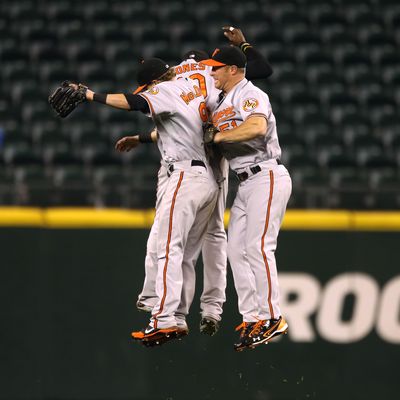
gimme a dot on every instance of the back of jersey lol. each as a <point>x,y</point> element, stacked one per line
<point>178,110</point>
<point>200,74</point>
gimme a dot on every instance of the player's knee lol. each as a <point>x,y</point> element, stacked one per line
<point>235,252</point>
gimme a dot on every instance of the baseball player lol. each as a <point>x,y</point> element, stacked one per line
<point>248,138</point>
<point>176,107</point>
<point>214,247</point>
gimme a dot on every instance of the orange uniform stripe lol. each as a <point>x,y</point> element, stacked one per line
<point>271,192</point>
<point>171,215</point>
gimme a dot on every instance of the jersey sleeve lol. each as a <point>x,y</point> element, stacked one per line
<point>159,100</point>
<point>254,103</point>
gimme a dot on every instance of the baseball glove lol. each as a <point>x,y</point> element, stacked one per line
<point>209,131</point>
<point>67,97</point>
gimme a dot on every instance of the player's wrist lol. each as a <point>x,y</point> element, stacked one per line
<point>99,97</point>
<point>217,137</point>
<point>145,138</point>
<point>244,46</point>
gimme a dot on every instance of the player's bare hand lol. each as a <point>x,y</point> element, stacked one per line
<point>127,143</point>
<point>234,35</point>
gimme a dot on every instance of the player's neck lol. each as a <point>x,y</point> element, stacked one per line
<point>232,83</point>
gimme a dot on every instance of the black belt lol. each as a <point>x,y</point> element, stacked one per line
<point>254,170</point>
<point>193,163</point>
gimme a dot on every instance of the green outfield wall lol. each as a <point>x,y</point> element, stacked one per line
<point>68,294</point>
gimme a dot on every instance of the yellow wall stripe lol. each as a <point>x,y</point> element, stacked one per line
<point>123,218</point>
<point>18,216</point>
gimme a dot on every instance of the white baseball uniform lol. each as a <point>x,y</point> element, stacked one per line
<point>215,242</point>
<point>177,108</point>
<point>259,205</point>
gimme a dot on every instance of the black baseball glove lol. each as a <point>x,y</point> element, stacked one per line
<point>67,97</point>
<point>209,131</point>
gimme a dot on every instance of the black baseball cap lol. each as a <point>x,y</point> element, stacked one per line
<point>226,55</point>
<point>149,71</point>
<point>197,55</point>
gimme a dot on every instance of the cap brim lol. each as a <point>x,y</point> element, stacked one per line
<point>139,89</point>
<point>212,63</point>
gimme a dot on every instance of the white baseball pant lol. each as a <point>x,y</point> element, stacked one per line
<point>214,253</point>
<point>185,209</point>
<point>256,216</point>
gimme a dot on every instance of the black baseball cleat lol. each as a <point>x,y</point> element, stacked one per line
<point>244,339</point>
<point>143,307</point>
<point>151,333</point>
<point>264,331</point>
<point>159,341</point>
<point>151,336</point>
<point>209,326</point>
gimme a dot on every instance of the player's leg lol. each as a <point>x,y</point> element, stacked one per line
<point>243,276</point>
<point>188,192</point>
<point>192,251</point>
<point>214,254</point>
<point>267,195</point>
<point>148,297</point>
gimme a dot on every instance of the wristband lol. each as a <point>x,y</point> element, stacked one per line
<point>100,98</point>
<point>244,46</point>
<point>145,138</point>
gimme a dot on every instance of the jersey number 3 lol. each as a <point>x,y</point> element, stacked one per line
<point>203,87</point>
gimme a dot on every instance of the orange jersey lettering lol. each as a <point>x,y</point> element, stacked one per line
<point>180,69</point>
<point>189,96</point>
<point>223,115</point>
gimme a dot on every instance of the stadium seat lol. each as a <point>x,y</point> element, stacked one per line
<point>315,125</point>
<point>269,41</point>
<point>33,186</point>
<point>342,42</point>
<point>327,84</point>
<point>379,105</point>
<point>386,193</point>
<point>304,103</point>
<point>367,84</point>
<point>316,62</point>
<point>310,188</point>
<point>350,190</point>
<point>341,104</point>
<point>72,187</point>
<point>290,82</point>
<point>330,23</point>
<point>352,125</point>
<point>389,64</point>
<point>7,189</point>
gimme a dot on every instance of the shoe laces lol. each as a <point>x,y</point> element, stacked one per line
<point>257,327</point>
<point>243,327</point>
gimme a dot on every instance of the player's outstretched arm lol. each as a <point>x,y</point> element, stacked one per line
<point>258,66</point>
<point>129,102</point>
<point>128,143</point>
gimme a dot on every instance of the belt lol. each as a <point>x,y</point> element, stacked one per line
<point>254,170</point>
<point>193,163</point>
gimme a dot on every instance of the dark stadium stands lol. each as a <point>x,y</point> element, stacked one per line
<point>335,92</point>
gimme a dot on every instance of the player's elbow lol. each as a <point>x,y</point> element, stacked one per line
<point>260,126</point>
